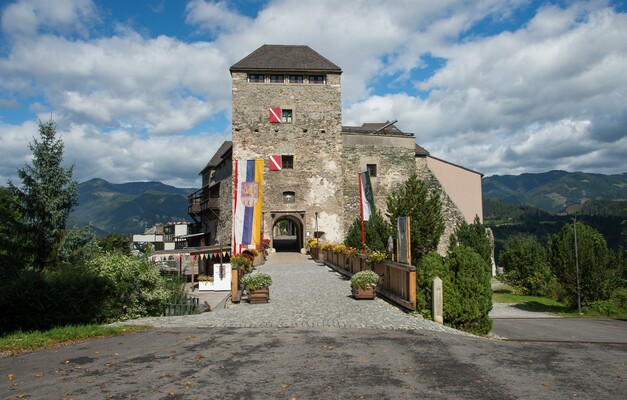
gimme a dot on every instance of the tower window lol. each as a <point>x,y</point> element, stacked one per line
<point>372,169</point>
<point>319,79</point>
<point>286,116</point>
<point>287,162</point>
<point>256,78</point>
<point>296,79</point>
<point>289,197</point>
<point>277,78</point>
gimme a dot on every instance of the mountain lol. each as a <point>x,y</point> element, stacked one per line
<point>553,191</point>
<point>128,207</point>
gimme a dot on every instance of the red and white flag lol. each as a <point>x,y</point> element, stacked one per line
<point>275,115</point>
<point>276,163</point>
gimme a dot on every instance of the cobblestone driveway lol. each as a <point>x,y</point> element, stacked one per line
<point>304,294</point>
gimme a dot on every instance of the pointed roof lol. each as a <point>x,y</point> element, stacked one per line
<point>218,156</point>
<point>285,58</point>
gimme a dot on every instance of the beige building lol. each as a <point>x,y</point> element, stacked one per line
<point>287,111</point>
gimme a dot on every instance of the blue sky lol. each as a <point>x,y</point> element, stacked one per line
<point>140,90</point>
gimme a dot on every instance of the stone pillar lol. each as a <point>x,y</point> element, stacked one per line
<point>437,305</point>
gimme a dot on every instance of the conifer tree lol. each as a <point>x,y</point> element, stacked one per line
<point>45,199</point>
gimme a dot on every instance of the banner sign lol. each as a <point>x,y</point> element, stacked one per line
<point>247,201</point>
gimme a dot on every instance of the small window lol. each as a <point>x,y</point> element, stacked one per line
<point>289,197</point>
<point>255,78</point>
<point>316,79</point>
<point>287,162</point>
<point>296,79</point>
<point>286,116</point>
<point>372,169</point>
<point>277,78</point>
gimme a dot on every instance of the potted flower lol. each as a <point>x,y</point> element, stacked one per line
<point>327,249</point>
<point>242,262</point>
<point>376,257</point>
<point>352,254</point>
<point>313,248</point>
<point>257,287</point>
<point>363,284</point>
<point>205,282</point>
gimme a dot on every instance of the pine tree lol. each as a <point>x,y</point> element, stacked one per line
<point>414,199</point>
<point>46,197</point>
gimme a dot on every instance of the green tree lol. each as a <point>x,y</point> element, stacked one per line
<point>476,237</point>
<point>376,229</point>
<point>116,242</point>
<point>526,266</point>
<point>11,243</point>
<point>469,302</point>
<point>596,275</point>
<point>46,197</point>
<point>414,199</point>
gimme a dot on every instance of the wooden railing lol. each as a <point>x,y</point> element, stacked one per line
<point>398,281</point>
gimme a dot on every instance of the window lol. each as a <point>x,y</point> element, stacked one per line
<point>277,78</point>
<point>372,169</point>
<point>289,197</point>
<point>296,79</point>
<point>286,116</point>
<point>316,79</point>
<point>255,78</point>
<point>287,162</point>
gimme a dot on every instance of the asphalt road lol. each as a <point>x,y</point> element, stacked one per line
<point>330,363</point>
<point>584,330</point>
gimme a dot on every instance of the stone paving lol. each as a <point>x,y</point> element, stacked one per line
<point>304,294</point>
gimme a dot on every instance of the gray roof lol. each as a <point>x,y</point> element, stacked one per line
<point>285,58</point>
<point>224,149</point>
<point>420,151</point>
<point>379,128</point>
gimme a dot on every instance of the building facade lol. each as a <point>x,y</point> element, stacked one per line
<point>287,111</point>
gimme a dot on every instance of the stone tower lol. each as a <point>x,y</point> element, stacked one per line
<point>287,111</point>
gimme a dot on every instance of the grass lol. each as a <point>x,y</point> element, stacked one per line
<point>19,342</point>
<point>605,309</point>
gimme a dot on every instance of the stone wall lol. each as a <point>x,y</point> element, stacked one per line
<point>394,158</point>
<point>313,139</point>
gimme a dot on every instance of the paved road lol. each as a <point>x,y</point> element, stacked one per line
<point>304,294</point>
<point>303,346</point>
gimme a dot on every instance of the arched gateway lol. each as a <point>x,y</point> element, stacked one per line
<point>287,231</point>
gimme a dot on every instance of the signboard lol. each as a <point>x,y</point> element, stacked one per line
<point>403,250</point>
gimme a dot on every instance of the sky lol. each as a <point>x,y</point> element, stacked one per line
<point>140,90</point>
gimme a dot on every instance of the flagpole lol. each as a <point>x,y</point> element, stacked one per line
<point>361,211</point>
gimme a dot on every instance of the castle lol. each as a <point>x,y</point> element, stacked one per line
<point>287,111</point>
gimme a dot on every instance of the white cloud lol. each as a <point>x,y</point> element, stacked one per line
<point>25,18</point>
<point>215,16</point>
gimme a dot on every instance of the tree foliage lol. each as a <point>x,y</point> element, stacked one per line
<point>526,266</point>
<point>597,276</point>
<point>377,231</point>
<point>45,198</point>
<point>414,199</point>
<point>116,242</point>
<point>476,237</point>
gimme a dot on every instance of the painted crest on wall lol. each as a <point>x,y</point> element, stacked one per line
<point>249,193</point>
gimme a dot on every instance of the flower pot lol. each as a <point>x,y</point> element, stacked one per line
<point>363,294</point>
<point>258,296</point>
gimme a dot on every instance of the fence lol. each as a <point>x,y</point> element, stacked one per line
<point>181,305</point>
<point>397,283</point>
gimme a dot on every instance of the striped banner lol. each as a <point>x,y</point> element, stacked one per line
<point>276,163</point>
<point>366,197</point>
<point>247,201</point>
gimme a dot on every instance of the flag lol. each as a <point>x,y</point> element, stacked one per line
<point>275,115</point>
<point>247,200</point>
<point>276,163</point>
<point>366,197</point>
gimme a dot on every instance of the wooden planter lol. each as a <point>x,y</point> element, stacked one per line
<point>363,294</point>
<point>314,252</point>
<point>258,296</point>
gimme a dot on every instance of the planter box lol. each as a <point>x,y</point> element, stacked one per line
<point>363,294</point>
<point>258,296</point>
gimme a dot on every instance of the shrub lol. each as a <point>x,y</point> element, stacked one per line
<point>40,300</point>
<point>256,281</point>
<point>469,300</point>
<point>364,279</point>
<point>139,289</point>
<point>430,266</point>
<point>597,276</point>
<point>525,264</point>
